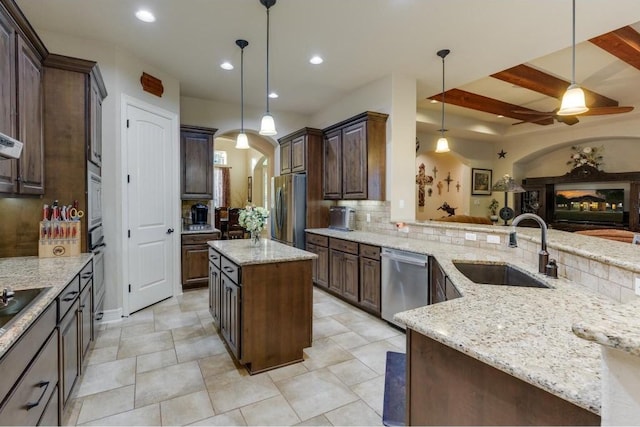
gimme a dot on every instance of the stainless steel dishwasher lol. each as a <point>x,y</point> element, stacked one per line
<point>405,282</point>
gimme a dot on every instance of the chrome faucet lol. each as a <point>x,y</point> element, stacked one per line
<point>543,255</point>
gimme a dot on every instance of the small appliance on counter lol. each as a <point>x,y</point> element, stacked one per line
<point>342,218</point>
<point>199,213</point>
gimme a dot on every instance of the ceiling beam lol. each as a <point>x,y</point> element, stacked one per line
<point>473,101</point>
<point>623,43</point>
<point>538,81</point>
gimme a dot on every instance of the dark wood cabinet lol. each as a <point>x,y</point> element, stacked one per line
<point>69,350</point>
<point>320,266</point>
<point>230,308</point>
<point>440,287</point>
<point>370,277</point>
<point>8,168</point>
<point>301,152</point>
<point>215,287</point>
<point>195,264</point>
<point>354,158</point>
<point>343,268</point>
<point>86,321</point>
<point>196,161</point>
<point>96,96</point>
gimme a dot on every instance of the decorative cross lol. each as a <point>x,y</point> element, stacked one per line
<point>458,186</point>
<point>421,179</point>
<point>448,180</point>
<point>435,172</point>
<point>439,187</point>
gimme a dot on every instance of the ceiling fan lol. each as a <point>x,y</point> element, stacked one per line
<point>571,120</point>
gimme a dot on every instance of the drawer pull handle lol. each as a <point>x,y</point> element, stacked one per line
<point>99,316</point>
<point>228,269</point>
<point>71,296</point>
<point>87,275</point>
<point>41,384</point>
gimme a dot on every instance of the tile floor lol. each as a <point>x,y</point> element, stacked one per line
<point>166,365</point>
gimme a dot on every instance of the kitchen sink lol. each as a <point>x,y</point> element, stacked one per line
<point>13,305</point>
<point>497,274</point>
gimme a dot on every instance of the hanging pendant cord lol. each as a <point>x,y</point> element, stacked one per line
<point>242,90</point>
<point>442,128</point>
<point>267,60</point>
<point>573,71</point>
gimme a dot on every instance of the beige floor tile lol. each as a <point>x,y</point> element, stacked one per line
<point>320,420</point>
<point>349,340</point>
<point>327,307</point>
<point>373,330</point>
<point>145,416</point>
<point>205,314</point>
<point>187,332</point>
<point>199,347</point>
<point>351,316</point>
<point>352,372</point>
<point>218,364</point>
<point>105,404</point>
<point>274,411</point>
<point>150,343</point>
<point>137,330</point>
<point>107,376</point>
<point>186,409</point>
<point>315,393</point>
<point>192,304</point>
<point>140,317</point>
<point>176,320</point>
<point>287,372</point>
<point>167,383</point>
<point>326,327</point>
<point>101,355</point>
<point>354,414</point>
<point>372,393</point>
<point>324,352</point>
<point>231,418</point>
<point>108,338</point>
<point>71,412</point>
<point>374,355</point>
<point>240,392</point>
<point>160,359</point>
<point>399,341</point>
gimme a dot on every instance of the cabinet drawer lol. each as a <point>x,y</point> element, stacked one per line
<point>369,251</point>
<point>344,246</point>
<point>19,356</point>
<point>231,270</point>
<point>200,238</point>
<point>86,274</point>
<point>68,296</point>
<point>29,399</point>
<point>214,257</point>
<point>318,240</point>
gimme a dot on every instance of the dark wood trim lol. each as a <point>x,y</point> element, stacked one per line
<point>68,63</point>
<point>581,174</point>
<point>198,129</point>
<point>25,28</point>
<point>623,43</point>
<point>367,115</point>
<point>151,84</point>
<point>301,132</point>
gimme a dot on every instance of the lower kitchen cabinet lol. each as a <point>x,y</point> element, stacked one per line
<point>69,351</point>
<point>441,288</point>
<point>343,268</point>
<point>195,272</point>
<point>319,245</point>
<point>215,293</point>
<point>370,277</point>
<point>85,318</point>
<point>230,319</point>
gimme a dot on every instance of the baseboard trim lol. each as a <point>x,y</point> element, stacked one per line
<point>110,316</point>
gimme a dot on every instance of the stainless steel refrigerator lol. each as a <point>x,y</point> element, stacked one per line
<point>288,209</point>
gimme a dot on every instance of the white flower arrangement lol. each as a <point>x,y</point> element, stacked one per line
<point>591,156</point>
<point>253,219</point>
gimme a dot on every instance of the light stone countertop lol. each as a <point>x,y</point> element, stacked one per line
<point>32,272</point>
<point>242,251</point>
<point>525,332</point>
<point>209,231</point>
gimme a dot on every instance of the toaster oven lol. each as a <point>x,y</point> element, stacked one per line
<point>342,218</point>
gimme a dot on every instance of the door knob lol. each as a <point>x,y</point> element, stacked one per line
<point>169,231</point>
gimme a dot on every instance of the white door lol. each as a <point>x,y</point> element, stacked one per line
<point>150,175</point>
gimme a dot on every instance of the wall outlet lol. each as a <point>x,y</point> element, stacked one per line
<point>401,204</point>
<point>368,217</point>
<point>470,236</point>
<point>637,286</point>
<point>476,202</point>
<point>492,238</point>
<point>404,229</point>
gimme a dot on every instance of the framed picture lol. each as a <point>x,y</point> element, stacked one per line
<point>249,188</point>
<point>481,182</point>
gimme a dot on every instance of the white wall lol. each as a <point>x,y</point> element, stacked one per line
<point>121,72</point>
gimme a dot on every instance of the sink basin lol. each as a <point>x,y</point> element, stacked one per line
<point>15,305</point>
<point>497,274</point>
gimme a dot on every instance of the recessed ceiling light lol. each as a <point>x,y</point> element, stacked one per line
<point>434,101</point>
<point>315,60</point>
<point>500,116</point>
<point>273,95</point>
<point>145,16</point>
<point>226,65</point>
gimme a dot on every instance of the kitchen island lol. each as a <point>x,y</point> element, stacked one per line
<point>261,297</point>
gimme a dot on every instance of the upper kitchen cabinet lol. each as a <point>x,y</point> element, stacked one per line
<point>196,160</point>
<point>300,150</point>
<point>71,125</point>
<point>354,158</point>
<point>97,93</point>
<point>21,103</point>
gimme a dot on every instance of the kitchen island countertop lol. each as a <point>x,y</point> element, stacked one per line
<point>243,252</point>
<point>525,332</point>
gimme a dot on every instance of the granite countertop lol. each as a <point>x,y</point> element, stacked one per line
<point>208,231</point>
<point>32,272</point>
<point>267,251</point>
<point>525,332</point>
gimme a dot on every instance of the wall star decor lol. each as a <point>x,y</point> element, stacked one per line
<point>502,154</point>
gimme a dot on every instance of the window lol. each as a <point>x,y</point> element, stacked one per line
<point>219,157</point>
<point>221,184</point>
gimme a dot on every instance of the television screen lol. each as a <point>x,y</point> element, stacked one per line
<point>596,205</point>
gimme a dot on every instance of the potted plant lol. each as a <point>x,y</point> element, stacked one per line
<point>493,209</point>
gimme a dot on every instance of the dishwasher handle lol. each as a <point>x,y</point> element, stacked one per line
<point>408,260</point>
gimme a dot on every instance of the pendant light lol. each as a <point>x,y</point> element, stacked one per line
<point>573,100</point>
<point>442,145</point>
<point>268,126</point>
<point>242,142</point>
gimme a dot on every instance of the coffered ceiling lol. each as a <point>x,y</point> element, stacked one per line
<point>365,40</point>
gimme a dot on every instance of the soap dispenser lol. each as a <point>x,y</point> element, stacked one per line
<point>552,269</point>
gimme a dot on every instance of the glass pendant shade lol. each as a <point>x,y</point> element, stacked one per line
<point>242,142</point>
<point>442,145</point>
<point>268,126</point>
<point>573,102</point>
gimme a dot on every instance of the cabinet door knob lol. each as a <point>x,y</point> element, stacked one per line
<point>169,231</point>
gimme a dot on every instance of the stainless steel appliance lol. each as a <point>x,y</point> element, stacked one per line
<point>199,213</point>
<point>288,209</point>
<point>342,218</point>
<point>9,148</point>
<point>405,282</point>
